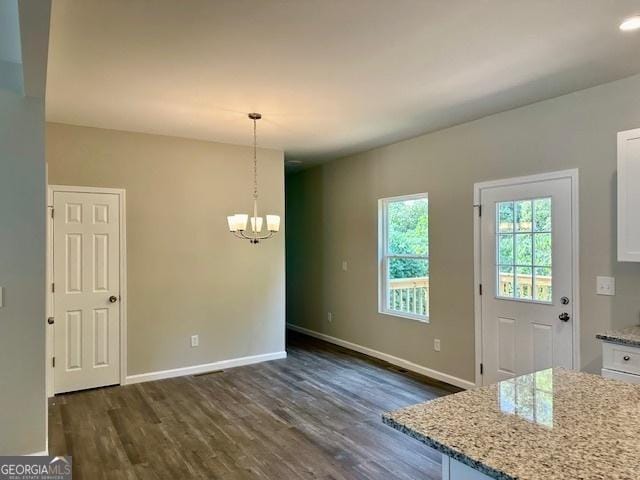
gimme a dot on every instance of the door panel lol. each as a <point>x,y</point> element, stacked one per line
<point>86,266</point>
<point>542,337</point>
<point>74,263</point>
<point>101,337</point>
<point>526,268</point>
<point>74,340</point>
<point>101,213</point>
<point>101,262</point>
<point>507,345</point>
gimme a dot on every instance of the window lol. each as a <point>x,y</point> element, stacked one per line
<point>523,250</point>
<point>404,256</point>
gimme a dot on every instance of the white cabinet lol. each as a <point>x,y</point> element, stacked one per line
<point>629,196</point>
<point>623,377</point>
<point>621,362</point>
<point>452,469</point>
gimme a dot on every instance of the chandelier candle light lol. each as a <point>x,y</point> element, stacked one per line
<point>238,222</point>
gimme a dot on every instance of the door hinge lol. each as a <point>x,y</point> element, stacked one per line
<point>480,289</point>
<point>481,369</point>
<point>479,207</point>
<point>52,210</point>
<point>53,287</point>
<point>53,362</point>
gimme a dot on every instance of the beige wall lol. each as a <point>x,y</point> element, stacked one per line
<point>22,275</point>
<point>186,273</point>
<point>332,215</point>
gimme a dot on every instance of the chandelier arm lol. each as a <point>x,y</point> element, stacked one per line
<point>252,238</point>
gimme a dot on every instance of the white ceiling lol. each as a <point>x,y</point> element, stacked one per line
<point>331,77</point>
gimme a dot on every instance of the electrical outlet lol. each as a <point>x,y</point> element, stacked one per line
<point>195,340</point>
<point>330,317</point>
<point>605,285</point>
<point>345,266</point>
<point>436,344</point>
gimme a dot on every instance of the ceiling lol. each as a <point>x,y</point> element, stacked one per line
<point>331,77</point>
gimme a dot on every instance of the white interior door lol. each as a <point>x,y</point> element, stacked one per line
<point>86,273</point>
<point>527,281</point>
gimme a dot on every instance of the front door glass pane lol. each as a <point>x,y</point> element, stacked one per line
<point>524,250</point>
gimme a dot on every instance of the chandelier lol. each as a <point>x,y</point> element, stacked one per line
<point>238,222</point>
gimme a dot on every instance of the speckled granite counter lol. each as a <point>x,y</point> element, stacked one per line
<point>553,424</point>
<point>625,336</point>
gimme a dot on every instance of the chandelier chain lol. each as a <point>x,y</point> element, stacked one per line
<point>255,161</point>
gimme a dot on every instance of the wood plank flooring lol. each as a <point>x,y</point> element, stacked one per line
<point>314,415</point>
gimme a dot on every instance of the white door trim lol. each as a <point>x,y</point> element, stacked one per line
<point>575,261</point>
<point>121,193</point>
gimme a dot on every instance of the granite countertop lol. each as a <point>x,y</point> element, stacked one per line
<point>552,424</point>
<point>625,336</point>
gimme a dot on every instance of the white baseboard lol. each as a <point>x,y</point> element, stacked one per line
<point>398,362</point>
<point>44,453</point>
<point>204,368</point>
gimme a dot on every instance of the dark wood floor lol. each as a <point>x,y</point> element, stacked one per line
<point>314,415</point>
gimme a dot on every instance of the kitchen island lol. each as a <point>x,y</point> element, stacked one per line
<point>552,424</point>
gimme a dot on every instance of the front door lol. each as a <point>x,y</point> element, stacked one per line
<point>86,273</point>
<point>526,273</point>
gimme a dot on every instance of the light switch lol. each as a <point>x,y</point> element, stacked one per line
<point>605,285</point>
<point>1,297</point>
<point>344,266</point>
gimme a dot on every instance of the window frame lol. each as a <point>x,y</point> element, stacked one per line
<point>384,256</point>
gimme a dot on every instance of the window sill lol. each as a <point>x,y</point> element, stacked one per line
<point>408,316</point>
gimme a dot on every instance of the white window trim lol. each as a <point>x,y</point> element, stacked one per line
<point>382,257</point>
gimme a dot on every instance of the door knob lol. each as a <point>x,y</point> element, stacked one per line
<point>564,300</point>
<point>564,317</point>
<point>113,299</point>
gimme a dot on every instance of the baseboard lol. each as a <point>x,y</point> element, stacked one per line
<point>204,368</point>
<point>398,362</point>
